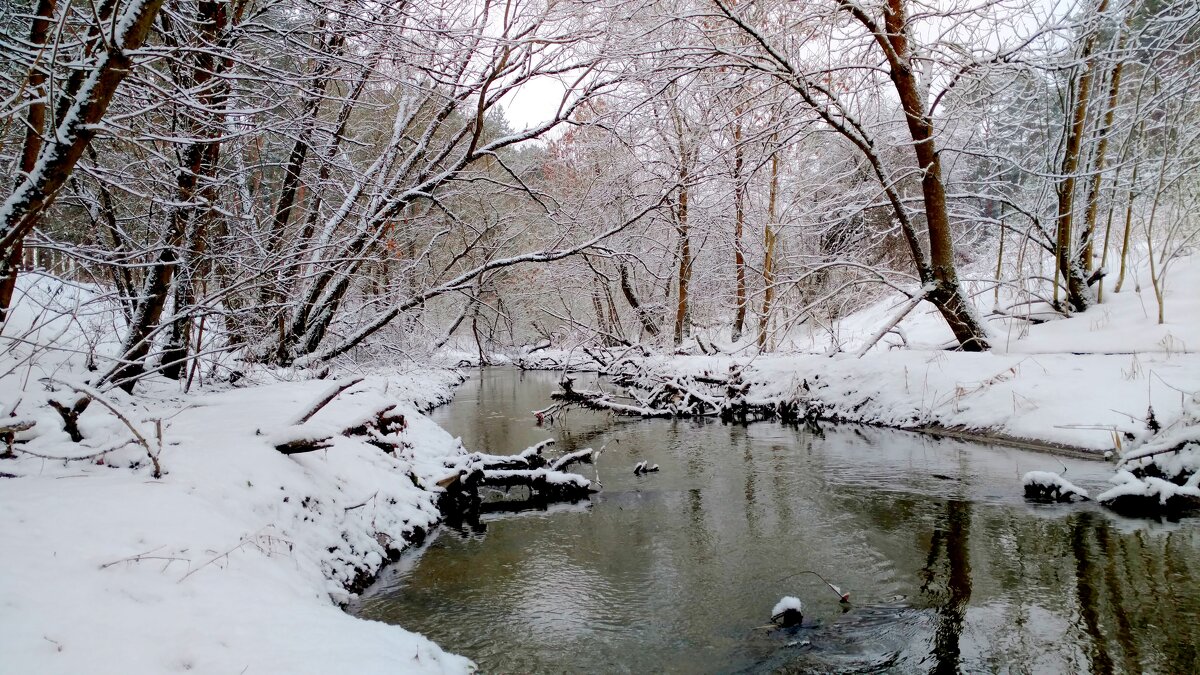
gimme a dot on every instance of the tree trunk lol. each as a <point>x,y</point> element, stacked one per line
<point>739,221</point>
<point>214,20</point>
<point>1067,267</point>
<point>946,293</point>
<point>631,297</point>
<point>331,42</point>
<point>184,219</point>
<point>35,120</point>
<point>685,258</point>
<point>1086,248</point>
<point>1129,197</point>
<point>84,107</point>
<point>769,241</point>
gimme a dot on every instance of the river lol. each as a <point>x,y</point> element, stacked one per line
<point>948,568</point>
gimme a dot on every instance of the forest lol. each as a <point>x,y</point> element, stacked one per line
<point>248,246</point>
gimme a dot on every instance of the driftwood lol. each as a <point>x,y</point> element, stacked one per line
<point>87,395</point>
<point>643,467</point>
<point>70,415</point>
<point>380,429</point>
<point>529,458</point>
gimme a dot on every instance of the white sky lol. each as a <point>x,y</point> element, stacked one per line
<point>534,102</point>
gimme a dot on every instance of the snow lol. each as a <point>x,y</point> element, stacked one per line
<point>1129,485</point>
<point>549,475</point>
<point>1050,480</point>
<point>786,603</point>
<point>236,559</point>
<point>1083,382</point>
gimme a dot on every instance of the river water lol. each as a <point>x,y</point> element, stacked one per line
<point>949,570</point>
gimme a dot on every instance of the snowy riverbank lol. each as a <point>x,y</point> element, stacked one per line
<point>1083,382</point>
<point>1078,401</point>
<point>234,560</point>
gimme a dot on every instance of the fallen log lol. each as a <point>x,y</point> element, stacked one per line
<point>379,427</point>
<point>460,496</point>
<point>681,397</point>
<point>302,443</point>
<point>1143,496</point>
<point>325,400</point>
<point>597,400</point>
<point>8,433</point>
<point>529,458</point>
<point>545,483</point>
<point>585,456</point>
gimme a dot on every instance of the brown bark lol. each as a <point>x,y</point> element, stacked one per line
<point>1067,266</point>
<point>185,219</point>
<point>685,258</point>
<point>1129,197</point>
<point>331,45</point>
<point>631,297</point>
<point>1086,248</point>
<point>946,293</point>
<point>739,221</point>
<point>87,104</point>
<point>35,121</point>
<point>598,307</point>
<point>769,240</point>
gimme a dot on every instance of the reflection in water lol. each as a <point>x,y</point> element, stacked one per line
<point>948,569</point>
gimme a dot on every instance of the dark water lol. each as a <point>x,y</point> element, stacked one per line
<point>948,569</point>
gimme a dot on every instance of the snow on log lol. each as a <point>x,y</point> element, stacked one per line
<point>1148,496</point>
<point>545,483</point>
<point>529,458</point>
<point>789,611</point>
<point>644,467</point>
<point>597,400</point>
<point>585,456</point>
<point>1048,486</point>
<point>296,439</point>
<point>9,429</point>
<point>658,395</point>
<point>16,425</point>
<point>461,496</point>
<point>324,400</point>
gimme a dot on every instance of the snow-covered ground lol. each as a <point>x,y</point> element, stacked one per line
<point>1081,381</point>
<point>234,560</point>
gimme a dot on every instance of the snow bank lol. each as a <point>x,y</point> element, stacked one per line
<point>1087,382</point>
<point>234,560</point>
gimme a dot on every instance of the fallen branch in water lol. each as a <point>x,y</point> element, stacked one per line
<point>546,481</point>
<point>656,395</point>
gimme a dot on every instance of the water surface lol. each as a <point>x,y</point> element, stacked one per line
<point>948,568</point>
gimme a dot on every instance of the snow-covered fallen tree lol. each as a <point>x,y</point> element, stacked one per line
<point>546,480</point>
<point>650,393</point>
<point>1161,474</point>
